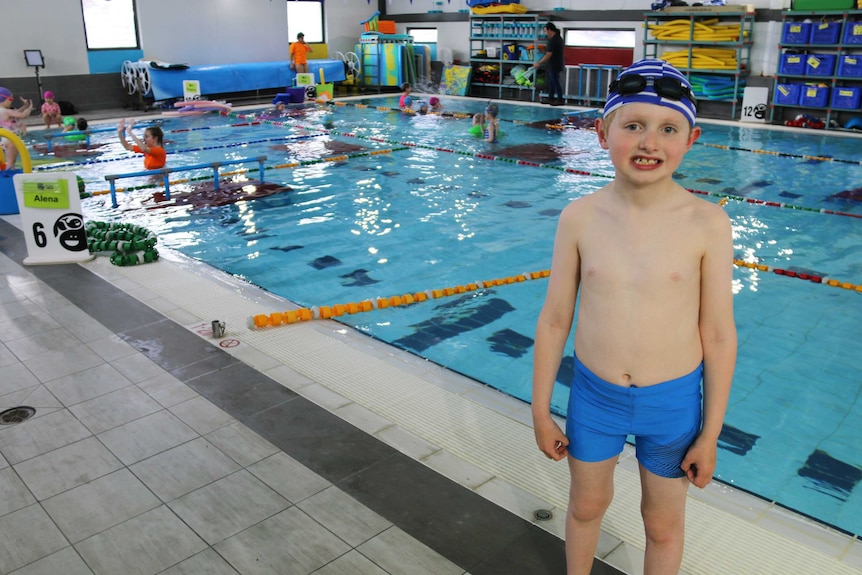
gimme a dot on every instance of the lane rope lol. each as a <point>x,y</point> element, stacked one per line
<point>302,314</point>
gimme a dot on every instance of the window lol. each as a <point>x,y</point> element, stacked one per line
<point>110,24</point>
<point>305,16</point>
<point>423,35</point>
<point>598,38</point>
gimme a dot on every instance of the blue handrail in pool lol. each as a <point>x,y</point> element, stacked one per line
<point>165,172</point>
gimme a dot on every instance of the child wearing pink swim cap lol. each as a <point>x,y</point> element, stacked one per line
<point>436,105</point>
<point>51,110</point>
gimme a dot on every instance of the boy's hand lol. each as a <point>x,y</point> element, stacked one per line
<point>699,462</point>
<point>550,438</point>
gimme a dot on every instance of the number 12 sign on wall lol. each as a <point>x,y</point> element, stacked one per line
<point>51,218</point>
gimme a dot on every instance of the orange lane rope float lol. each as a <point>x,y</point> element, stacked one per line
<point>800,275</point>
<point>278,318</point>
<point>329,311</point>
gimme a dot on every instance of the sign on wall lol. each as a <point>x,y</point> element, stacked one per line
<point>53,226</point>
<point>754,105</point>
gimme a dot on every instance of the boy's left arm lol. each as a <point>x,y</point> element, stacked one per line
<point>718,338</point>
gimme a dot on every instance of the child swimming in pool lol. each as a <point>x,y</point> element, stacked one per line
<point>152,145</point>
<point>405,102</point>
<point>650,265</point>
<point>436,105</point>
<point>478,127</point>
<point>492,128</point>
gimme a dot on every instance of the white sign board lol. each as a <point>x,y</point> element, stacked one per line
<point>51,217</point>
<point>754,104</point>
<point>191,90</point>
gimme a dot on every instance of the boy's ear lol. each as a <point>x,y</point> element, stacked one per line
<point>600,132</point>
<point>694,135</point>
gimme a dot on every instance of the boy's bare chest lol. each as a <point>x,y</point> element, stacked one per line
<point>658,255</point>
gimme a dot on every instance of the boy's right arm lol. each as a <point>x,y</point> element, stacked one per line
<point>552,332</point>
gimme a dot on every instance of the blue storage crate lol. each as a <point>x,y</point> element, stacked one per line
<point>820,64</point>
<point>846,97</point>
<point>825,33</point>
<point>788,94</point>
<point>796,33</point>
<point>814,96</point>
<point>852,32</point>
<point>792,64</point>
<point>850,65</point>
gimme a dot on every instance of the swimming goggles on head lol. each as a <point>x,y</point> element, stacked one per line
<point>664,86</point>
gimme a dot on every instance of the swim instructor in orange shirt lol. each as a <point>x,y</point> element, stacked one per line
<point>298,51</point>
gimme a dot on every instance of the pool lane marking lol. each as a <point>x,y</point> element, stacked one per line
<point>53,167</point>
<point>301,314</point>
<point>780,154</point>
<point>552,126</point>
<point>289,165</point>
<point>800,275</point>
<point>326,312</point>
<point>485,156</point>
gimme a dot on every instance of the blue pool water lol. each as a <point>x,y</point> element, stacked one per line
<point>419,217</point>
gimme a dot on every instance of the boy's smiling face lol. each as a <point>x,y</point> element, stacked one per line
<point>646,142</point>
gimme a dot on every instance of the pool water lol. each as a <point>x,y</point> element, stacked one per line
<point>427,211</point>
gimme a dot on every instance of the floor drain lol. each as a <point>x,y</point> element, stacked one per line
<point>542,514</point>
<point>16,415</point>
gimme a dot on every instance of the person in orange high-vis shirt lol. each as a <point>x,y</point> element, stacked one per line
<point>298,51</point>
<point>151,146</point>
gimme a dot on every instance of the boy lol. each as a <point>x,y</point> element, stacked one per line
<point>652,265</point>
<point>152,146</point>
<point>298,54</point>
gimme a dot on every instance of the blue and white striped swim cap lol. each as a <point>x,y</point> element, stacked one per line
<point>663,85</point>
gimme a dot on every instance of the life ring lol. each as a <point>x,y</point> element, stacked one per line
<point>130,244</point>
<point>26,163</point>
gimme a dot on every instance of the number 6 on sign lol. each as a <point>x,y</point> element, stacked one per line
<point>53,226</point>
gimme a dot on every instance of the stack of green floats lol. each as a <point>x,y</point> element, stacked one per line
<point>129,244</point>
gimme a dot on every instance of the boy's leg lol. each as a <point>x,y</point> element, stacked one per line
<point>590,494</point>
<point>663,509</point>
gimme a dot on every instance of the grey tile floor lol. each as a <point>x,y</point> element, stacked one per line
<point>154,452</point>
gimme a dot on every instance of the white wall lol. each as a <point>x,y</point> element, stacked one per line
<point>196,32</point>
<point>207,32</point>
<point>54,26</point>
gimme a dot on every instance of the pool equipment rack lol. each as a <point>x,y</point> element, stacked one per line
<point>166,172</point>
<point>713,50</point>
<point>374,65</point>
<point>502,42</point>
<point>820,66</point>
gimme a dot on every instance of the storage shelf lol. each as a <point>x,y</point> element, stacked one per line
<point>500,31</point>
<point>790,82</point>
<point>741,47</point>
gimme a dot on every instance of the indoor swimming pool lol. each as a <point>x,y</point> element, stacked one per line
<point>382,204</point>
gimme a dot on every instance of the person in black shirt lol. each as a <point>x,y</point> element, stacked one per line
<point>554,58</point>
